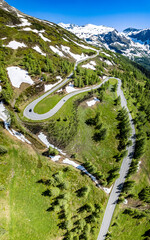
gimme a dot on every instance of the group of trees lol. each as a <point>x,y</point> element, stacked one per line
<point>100,132</point>
<point>82,77</point>
<point>36,67</point>
<point>78,222</point>
<point>124,129</point>
<point>6,93</point>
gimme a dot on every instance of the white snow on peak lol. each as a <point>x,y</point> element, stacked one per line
<point>15,45</point>
<point>18,76</point>
<point>57,51</point>
<point>86,30</point>
<point>36,48</point>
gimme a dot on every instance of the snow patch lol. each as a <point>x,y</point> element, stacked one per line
<point>60,90</point>
<point>69,162</point>
<point>15,45</point>
<point>89,66</point>
<point>83,46</point>
<point>107,190</point>
<point>57,51</point>
<point>77,57</point>
<point>55,158</point>
<point>92,102</point>
<point>44,38</point>
<point>50,86</point>
<point>3,112</point>
<point>4,115</point>
<point>28,29</point>
<point>106,54</point>
<point>108,62</point>
<point>36,48</point>
<point>104,77</point>
<point>20,136</point>
<point>70,88</point>
<point>18,76</point>
<point>43,139</point>
<point>138,166</point>
<point>59,78</point>
<point>125,201</point>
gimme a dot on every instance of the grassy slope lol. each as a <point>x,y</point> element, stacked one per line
<point>23,208</point>
<point>47,103</point>
<point>128,227</point>
<point>100,154</point>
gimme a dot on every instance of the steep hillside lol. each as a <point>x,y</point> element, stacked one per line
<point>42,48</point>
<point>41,196</point>
<point>133,44</point>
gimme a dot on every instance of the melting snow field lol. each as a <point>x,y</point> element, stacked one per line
<point>108,62</point>
<point>107,190</point>
<point>70,88</point>
<point>72,163</point>
<point>57,51</point>
<point>83,46</point>
<point>50,86</point>
<point>44,140</point>
<point>77,57</point>
<point>104,77</point>
<point>55,158</point>
<point>18,76</point>
<point>3,112</point>
<point>24,23</point>
<point>36,48</point>
<point>44,38</point>
<point>89,66</point>
<point>4,115</point>
<point>15,45</point>
<point>92,102</point>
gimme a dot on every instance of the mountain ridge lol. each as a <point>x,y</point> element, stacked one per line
<point>132,43</point>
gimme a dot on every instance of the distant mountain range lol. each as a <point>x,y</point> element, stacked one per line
<point>132,43</point>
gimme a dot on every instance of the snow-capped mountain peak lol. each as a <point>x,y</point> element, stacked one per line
<point>133,43</point>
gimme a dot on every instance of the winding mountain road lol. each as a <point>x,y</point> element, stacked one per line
<point>117,187</point>
<point>34,116</point>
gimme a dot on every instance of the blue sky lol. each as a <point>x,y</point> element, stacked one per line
<point>116,13</point>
